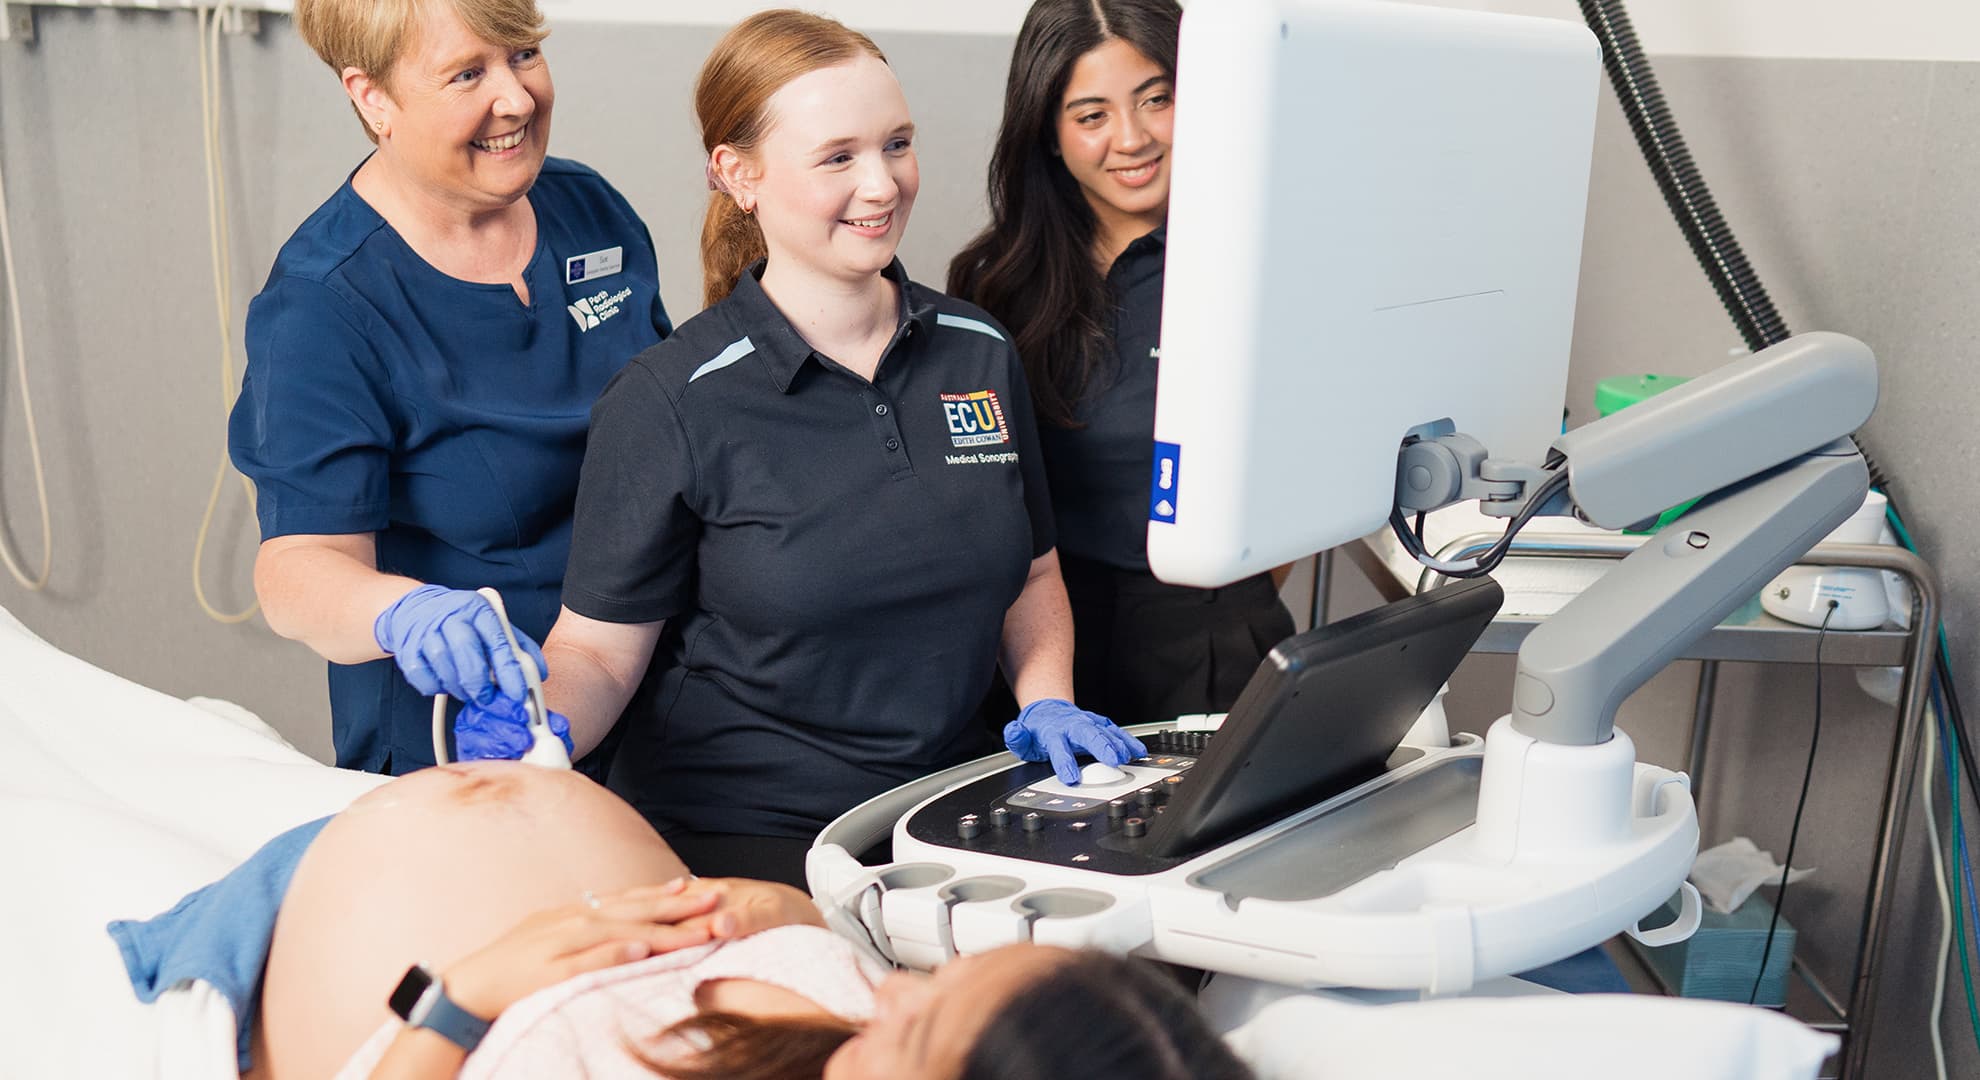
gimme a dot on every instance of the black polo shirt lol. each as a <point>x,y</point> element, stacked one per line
<point>1099,472</point>
<point>833,558</point>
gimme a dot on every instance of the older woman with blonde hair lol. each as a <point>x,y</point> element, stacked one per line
<point>421,365</point>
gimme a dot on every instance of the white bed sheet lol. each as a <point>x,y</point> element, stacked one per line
<point>115,801</point>
<point>1507,1030</point>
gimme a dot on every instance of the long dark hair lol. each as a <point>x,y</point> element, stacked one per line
<point>1135,1023</point>
<point>1032,267</point>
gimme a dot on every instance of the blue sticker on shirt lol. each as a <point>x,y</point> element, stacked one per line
<point>1162,482</point>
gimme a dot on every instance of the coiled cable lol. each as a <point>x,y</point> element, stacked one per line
<point>39,580</point>
<point>211,19</point>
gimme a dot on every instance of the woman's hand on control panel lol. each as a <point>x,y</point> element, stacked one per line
<point>1057,730</point>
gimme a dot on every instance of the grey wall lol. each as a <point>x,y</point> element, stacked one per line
<point>1847,181</point>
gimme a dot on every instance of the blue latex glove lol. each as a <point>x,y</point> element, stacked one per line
<point>501,730</point>
<point>450,641</point>
<point>1057,729</point>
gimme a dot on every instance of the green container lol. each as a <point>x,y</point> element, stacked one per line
<point>1616,394</point>
<point>1719,961</point>
<point>1612,395</point>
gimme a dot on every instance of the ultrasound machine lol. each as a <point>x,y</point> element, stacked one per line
<point>1374,241</point>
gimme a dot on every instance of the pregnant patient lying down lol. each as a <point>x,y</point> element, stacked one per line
<point>550,907</point>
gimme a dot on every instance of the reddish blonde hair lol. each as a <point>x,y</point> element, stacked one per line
<point>751,63</point>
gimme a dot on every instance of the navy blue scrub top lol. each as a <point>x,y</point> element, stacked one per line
<point>833,558</point>
<point>444,416</point>
<point>1099,472</point>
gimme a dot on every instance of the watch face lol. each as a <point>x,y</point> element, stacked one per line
<point>410,989</point>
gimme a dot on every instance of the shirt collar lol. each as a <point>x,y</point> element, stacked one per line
<point>782,347</point>
<point>1153,242</point>
<point>1148,247</point>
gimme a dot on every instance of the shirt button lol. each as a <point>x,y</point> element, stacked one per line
<point>893,444</point>
<point>880,409</point>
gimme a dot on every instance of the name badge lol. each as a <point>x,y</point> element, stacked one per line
<point>595,265</point>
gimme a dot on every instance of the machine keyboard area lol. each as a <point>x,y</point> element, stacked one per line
<point>1024,812</point>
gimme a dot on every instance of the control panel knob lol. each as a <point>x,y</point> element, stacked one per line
<point>968,827</point>
<point>1135,826</point>
<point>1000,818</point>
<point>1034,821</point>
<point>1117,809</point>
<point>1147,797</point>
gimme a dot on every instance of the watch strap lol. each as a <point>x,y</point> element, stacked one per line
<point>422,1002</point>
<point>453,1023</point>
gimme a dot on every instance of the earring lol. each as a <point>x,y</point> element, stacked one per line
<point>379,124</point>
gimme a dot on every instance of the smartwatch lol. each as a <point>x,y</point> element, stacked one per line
<point>422,1002</point>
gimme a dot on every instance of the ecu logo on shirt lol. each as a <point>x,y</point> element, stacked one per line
<point>975,418</point>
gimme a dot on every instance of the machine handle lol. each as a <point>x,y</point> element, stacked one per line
<point>1691,912</point>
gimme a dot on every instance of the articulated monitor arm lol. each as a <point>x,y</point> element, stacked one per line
<point>1576,668</point>
<point>1763,439</point>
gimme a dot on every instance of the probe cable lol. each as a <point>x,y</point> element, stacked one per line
<point>1794,830</point>
<point>210,20</point>
<point>40,579</point>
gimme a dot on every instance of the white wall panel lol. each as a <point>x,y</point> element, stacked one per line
<point>1821,29</point>
<point>1827,29</point>
<point>927,16</point>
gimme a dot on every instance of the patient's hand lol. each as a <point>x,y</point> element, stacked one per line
<point>556,944</point>
<point>745,906</point>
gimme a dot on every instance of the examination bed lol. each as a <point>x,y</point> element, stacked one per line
<point>116,800</point>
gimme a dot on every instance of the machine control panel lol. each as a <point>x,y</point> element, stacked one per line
<point>1025,812</point>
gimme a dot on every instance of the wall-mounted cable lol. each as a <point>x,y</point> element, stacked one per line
<point>37,581</point>
<point>210,22</point>
<point>1928,764</point>
<point>1959,862</point>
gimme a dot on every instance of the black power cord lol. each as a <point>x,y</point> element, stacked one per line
<point>1794,830</point>
<point>1956,716</point>
<point>1413,542</point>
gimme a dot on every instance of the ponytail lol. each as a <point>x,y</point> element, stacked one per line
<point>730,242</point>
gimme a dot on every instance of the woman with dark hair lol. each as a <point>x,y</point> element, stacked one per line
<point>1072,263</point>
<point>535,926</point>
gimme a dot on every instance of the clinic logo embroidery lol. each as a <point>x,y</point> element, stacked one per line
<point>975,419</point>
<point>589,311</point>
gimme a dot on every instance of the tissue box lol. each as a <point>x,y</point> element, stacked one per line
<point>1720,960</point>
